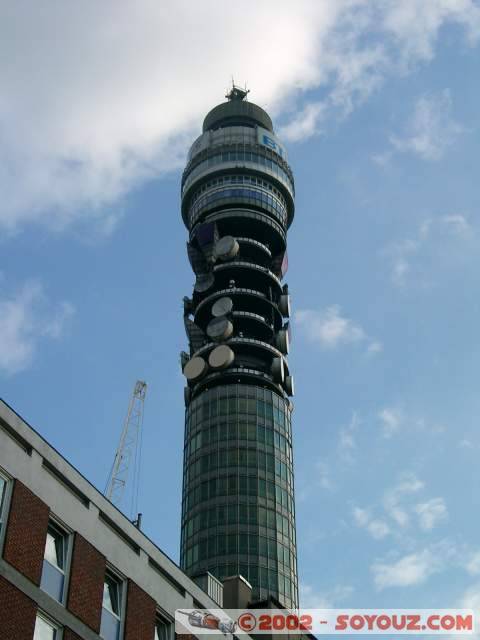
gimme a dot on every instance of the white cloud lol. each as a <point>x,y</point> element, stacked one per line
<point>312,599</point>
<point>26,317</point>
<point>376,527</point>
<point>408,483</point>
<point>375,347</point>
<point>412,569</point>
<point>391,419</point>
<point>431,428</point>
<point>347,438</point>
<point>470,599</point>
<point>428,242</point>
<point>382,158</point>
<point>457,223</point>
<point>473,564</point>
<point>329,329</point>
<point>361,516</point>
<point>318,477</point>
<point>305,124</point>
<point>431,513</point>
<point>418,23</point>
<point>324,478</point>
<point>97,99</point>
<point>399,508</point>
<point>400,253</point>
<point>417,567</point>
<point>393,498</point>
<point>110,97</point>
<point>431,129</point>
<point>465,443</point>
<point>395,508</point>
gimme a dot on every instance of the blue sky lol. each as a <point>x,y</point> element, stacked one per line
<point>378,104</point>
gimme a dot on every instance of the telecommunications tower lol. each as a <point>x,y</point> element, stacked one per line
<point>238,509</point>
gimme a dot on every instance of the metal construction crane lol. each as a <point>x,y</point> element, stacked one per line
<point>128,451</point>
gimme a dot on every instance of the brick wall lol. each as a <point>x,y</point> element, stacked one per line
<point>140,614</point>
<point>17,613</point>
<point>26,532</point>
<point>87,574</point>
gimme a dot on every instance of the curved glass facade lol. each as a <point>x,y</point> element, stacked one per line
<point>238,507</point>
<point>238,496</point>
<point>256,157</point>
<point>243,181</point>
<point>242,195</point>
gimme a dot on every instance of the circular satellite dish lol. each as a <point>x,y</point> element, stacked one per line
<point>222,307</point>
<point>289,386</point>
<point>288,328</point>
<point>219,328</point>
<point>195,369</point>
<point>221,357</point>
<point>278,371</point>
<point>204,282</point>
<point>282,341</point>
<point>226,248</point>
<point>284,305</point>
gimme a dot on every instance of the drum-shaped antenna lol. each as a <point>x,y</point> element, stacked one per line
<point>221,357</point>
<point>282,341</point>
<point>219,329</point>
<point>222,307</point>
<point>226,248</point>
<point>195,369</point>
<point>278,371</point>
<point>284,305</point>
<point>289,386</point>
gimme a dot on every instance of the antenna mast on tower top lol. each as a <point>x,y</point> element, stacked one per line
<point>237,93</point>
<point>128,450</point>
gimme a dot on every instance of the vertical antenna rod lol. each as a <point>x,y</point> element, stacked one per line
<point>127,449</point>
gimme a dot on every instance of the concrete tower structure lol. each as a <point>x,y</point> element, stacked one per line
<point>238,509</point>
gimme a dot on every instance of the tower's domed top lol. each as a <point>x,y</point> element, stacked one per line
<point>237,112</point>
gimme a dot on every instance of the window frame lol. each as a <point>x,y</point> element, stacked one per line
<point>167,621</point>
<point>4,505</point>
<point>63,535</point>
<point>67,536</point>
<point>49,621</point>
<point>115,576</point>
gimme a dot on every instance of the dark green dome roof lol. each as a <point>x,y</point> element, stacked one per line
<point>237,112</point>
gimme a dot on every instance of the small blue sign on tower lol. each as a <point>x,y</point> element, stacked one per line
<point>268,139</point>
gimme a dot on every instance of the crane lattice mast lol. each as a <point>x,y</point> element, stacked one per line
<point>128,450</point>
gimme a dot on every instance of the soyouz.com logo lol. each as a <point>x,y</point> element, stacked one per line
<point>325,621</point>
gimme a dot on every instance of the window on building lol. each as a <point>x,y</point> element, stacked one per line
<point>111,607</point>
<point>44,629</point>
<point>3,496</point>
<point>163,629</point>
<point>54,562</point>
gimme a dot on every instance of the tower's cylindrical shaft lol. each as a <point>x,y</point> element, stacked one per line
<point>238,510</point>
